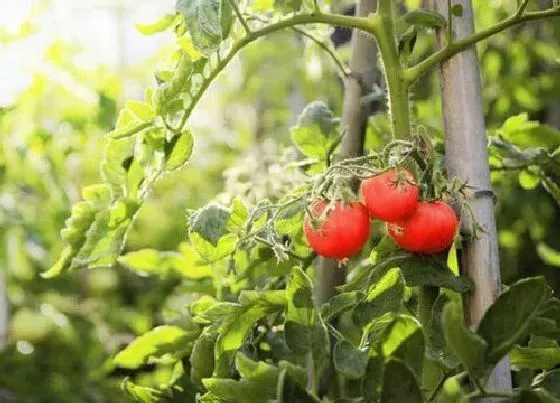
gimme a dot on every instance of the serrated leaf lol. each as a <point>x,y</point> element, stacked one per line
<point>233,333</point>
<point>178,150</point>
<point>421,271</point>
<point>350,361</point>
<point>114,167</point>
<point>313,133</point>
<point>210,222</point>
<point>425,18</point>
<point>106,236</point>
<point>158,26</point>
<point>399,384</point>
<point>155,343</point>
<point>385,296</point>
<point>534,358</point>
<point>522,132</point>
<point>507,320</point>
<point>208,21</point>
<point>467,346</point>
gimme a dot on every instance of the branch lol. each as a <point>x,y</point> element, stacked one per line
<point>344,70</point>
<point>240,16</point>
<point>367,24</point>
<point>414,73</point>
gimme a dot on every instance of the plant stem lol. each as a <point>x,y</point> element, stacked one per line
<point>397,86</point>
<point>414,73</point>
<point>240,16</point>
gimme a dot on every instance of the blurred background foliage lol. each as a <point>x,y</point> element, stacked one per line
<point>63,333</point>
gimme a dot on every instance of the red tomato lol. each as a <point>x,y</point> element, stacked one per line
<point>390,196</point>
<point>343,233</point>
<point>431,229</point>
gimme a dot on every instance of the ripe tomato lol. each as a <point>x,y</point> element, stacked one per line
<point>390,196</point>
<point>431,229</point>
<point>342,234</point>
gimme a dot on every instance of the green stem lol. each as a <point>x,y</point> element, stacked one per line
<point>426,297</point>
<point>414,73</point>
<point>394,73</point>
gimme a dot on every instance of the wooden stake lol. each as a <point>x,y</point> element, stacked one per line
<point>354,117</point>
<point>466,148</point>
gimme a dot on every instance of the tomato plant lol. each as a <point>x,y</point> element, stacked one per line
<point>241,321</point>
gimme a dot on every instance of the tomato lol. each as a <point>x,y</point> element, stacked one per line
<point>431,229</point>
<point>343,233</point>
<point>390,196</point>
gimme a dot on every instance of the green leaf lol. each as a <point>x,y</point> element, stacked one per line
<point>404,339</point>
<point>534,358</point>
<point>142,394</point>
<point>522,132</point>
<point>210,222</point>
<point>155,343</point>
<point>114,167</point>
<point>140,109</point>
<point>241,391</point>
<point>371,384</point>
<point>425,18</point>
<point>300,314</point>
<point>272,297</point>
<point>202,355</point>
<point>467,346</point>
<point>158,26</point>
<point>385,296</point>
<point>265,374</point>
<point>420,271</point>
<point>313,133</point>
<point>106,236</point>
<point>233,333</point>
<point>506,322</point>
<point>437,347</point>
<point>217,313</point>
<point>130,130</point>
<point>399,384</point>
<point>186,44</point>
<point>340,303</point>
<point>208,22</point>
<point>238,217</point>
<point>349,360</point>
<point>548,255</point>
<point>178,151</point>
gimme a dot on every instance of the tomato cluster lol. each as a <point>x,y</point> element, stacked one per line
<point>393,196</point>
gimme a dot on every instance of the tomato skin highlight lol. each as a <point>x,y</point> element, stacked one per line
<point>343,233</point>
<point>431,229</point>
<point>391,196</point>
